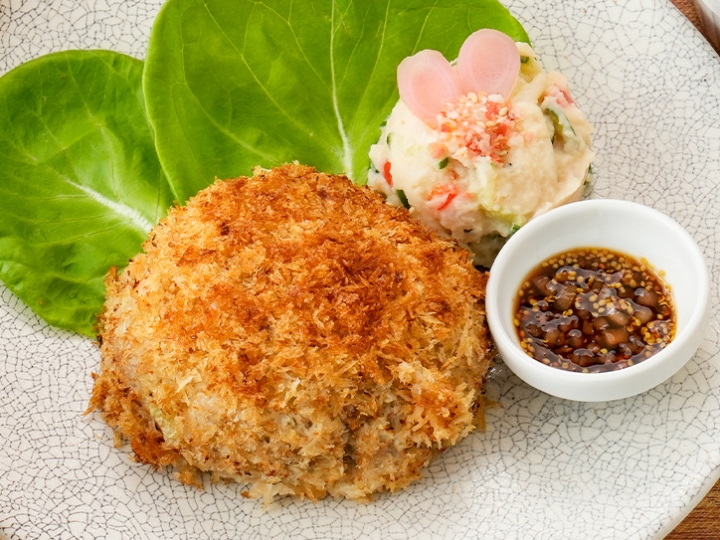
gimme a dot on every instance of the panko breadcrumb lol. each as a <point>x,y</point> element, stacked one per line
<point>293,332</point>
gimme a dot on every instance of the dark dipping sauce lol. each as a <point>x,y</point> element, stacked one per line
<point>593,310</point>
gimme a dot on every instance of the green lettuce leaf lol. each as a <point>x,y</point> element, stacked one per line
<point>230,84</point>
<point>80,182</point>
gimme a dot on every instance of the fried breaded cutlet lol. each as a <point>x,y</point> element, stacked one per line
<point>293,332</point>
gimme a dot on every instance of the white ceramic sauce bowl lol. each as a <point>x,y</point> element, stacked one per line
<point>626,227</point>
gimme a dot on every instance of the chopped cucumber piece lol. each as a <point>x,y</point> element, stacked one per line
<point>563,128</point>
<point>403,198</point>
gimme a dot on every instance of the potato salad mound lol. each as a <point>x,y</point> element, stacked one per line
<point>476,158</point>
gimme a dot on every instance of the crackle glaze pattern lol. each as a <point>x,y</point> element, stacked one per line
<point>546,468</point>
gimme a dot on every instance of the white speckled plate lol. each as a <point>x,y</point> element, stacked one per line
<point>545,469</point>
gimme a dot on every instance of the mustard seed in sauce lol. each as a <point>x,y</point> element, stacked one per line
<point>593,310</point>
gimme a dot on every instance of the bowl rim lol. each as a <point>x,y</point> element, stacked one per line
<point>669,360</point>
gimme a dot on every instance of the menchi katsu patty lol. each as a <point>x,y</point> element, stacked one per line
<point>293,332</point>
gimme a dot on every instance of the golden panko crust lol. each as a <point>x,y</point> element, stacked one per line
<point>293,332</point>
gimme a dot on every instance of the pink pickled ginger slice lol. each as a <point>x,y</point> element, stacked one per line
<point>426,82</point>
<point>489,63</point>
